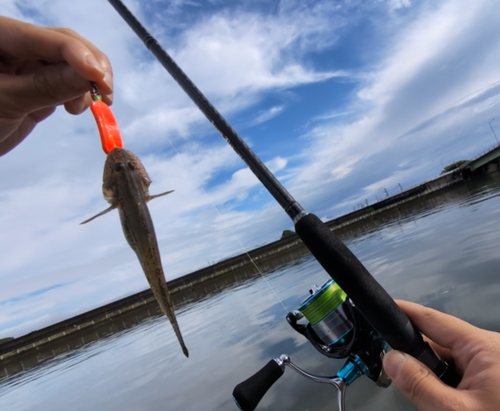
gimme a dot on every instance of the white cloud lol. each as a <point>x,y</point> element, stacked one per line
<point>427,81</point>
<point>233,57</point>
<point>398,4</point>
<point>267,114</point>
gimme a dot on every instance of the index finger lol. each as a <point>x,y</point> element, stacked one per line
<point>106,87</point>
<point>27,41</point>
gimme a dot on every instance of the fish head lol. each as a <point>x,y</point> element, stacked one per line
<point>123,165</point>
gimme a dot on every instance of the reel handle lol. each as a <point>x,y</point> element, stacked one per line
<point>247,394</point>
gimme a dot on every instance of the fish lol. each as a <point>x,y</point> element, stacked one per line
<point>126,187</point>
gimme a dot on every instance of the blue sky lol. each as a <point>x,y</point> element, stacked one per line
<point>341,99</point>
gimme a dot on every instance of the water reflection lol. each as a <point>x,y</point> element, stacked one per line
<point>441,251</point>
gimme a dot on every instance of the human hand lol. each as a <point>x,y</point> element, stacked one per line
<point>41,68</point>
<point>475,352</point>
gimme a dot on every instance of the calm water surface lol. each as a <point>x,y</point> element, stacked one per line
<point>446,256</point>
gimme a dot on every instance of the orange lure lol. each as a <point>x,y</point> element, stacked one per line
<point>106,123</point>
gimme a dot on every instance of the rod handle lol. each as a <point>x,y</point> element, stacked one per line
<point>451,377</point>
<point>247,394</point>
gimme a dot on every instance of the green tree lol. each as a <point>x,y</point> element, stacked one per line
<point>453,166</point>
<point>287,233</point>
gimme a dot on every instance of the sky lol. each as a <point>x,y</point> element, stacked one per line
<point>341,99</point>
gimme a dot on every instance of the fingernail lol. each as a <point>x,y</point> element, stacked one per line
<point>92,62</point>
<point>393,362</point>
<point>108,80</point>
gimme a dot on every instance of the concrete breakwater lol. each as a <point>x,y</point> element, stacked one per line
<point>38,346</point>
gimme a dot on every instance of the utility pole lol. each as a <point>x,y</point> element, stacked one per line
<point>496,138</point>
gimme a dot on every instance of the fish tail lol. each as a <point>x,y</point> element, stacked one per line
<point>177,331</point>
<point>163,297</point>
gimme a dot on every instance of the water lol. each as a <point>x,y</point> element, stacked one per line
<point>442,252</point>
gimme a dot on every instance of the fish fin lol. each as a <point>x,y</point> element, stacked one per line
<point>99,214</point>
<point>149,198</point>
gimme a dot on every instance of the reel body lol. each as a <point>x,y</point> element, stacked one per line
<point>335,328</point>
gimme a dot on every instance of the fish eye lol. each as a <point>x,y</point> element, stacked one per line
<point>118,166</point>
<point>130,165</point>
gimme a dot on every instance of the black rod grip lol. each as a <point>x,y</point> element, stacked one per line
<point>376,305</point>
<point>451,377</point>
<point>247,394</point>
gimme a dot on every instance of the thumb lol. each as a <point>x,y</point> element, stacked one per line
<point>49,86</point>
<point>419,384</point>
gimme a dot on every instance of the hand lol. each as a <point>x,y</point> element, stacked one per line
<point>41,68</point>
<point>476,354</point>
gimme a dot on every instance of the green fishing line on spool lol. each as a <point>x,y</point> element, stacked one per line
<point>323,309</point>
<point>321,303</point>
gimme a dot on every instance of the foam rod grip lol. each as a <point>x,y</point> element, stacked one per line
<point>248,393</point>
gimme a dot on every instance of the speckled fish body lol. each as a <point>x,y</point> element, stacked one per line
<point>126,187</point>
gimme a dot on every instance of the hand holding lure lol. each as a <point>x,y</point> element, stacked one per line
<point>126,187</point>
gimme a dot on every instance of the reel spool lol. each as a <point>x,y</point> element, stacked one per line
<point>323,309</point>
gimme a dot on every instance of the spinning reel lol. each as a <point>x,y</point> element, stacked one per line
<point>336,329</point>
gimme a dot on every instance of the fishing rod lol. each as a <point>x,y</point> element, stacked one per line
<point>357,294</point>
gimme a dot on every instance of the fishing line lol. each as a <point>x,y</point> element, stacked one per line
<point>236,238</point>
